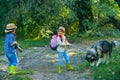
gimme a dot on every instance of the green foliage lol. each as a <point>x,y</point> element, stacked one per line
<point>95,34</point>
<point>1,48</point>
<point>38,19</point>
<point>103,11</point>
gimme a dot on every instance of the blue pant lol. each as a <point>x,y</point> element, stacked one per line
<point>12,59</point>
<point>61,55</point>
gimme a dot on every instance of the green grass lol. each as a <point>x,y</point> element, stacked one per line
<point>20,75</point>
<point>31,43</point>
<point>24,72</point>
<point>3,61</point>
<point>17,77</point>
<point>112,70</point>
<point>104,72</point>
<point>27,43</point>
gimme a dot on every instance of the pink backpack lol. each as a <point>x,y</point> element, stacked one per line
<point>53,42</point>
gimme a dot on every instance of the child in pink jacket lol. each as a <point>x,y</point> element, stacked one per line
<point>61,49</point>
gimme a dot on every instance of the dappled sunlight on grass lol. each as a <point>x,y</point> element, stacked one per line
<point>53,60</point>
<point>50,54</point>
<point>72,53</point>
<point>53,57</point>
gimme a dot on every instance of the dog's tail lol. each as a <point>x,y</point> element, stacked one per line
<point>115,44</point>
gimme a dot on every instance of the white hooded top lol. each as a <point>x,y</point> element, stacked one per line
<point>62,44</point>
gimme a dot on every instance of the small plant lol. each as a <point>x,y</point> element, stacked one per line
<point>23,72</point>
<point>16,77</point>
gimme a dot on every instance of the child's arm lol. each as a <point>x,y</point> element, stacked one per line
<point>67,43</point>
<point>12,41</point>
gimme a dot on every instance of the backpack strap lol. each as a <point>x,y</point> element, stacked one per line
<point>60,37</point>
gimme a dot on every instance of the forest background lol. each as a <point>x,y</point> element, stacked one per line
<point>38,19</point>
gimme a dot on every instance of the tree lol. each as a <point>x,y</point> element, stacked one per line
<point>118,2</point>
<point>84,13</point>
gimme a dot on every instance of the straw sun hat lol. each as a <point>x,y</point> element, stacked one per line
<point>10,27</point>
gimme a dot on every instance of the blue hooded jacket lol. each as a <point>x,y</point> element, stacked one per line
<point>8,47</point>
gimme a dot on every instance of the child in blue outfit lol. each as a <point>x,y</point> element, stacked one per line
<point>61,49</point>
<point>9,47</point>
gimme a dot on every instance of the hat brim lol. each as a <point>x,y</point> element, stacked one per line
<point>8,31</point>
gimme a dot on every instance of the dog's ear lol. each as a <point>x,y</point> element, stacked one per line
<point>89,56</point>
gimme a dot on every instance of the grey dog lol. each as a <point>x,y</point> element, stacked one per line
<point>100,52</point>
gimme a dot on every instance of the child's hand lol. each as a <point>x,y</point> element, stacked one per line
<point>15,43</point>
<point>69,44</point>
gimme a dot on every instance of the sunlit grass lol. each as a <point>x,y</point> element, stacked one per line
<point>30,43</point>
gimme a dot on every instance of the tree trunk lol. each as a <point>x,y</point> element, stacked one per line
<point>20,19</point>
<point>84,12</point>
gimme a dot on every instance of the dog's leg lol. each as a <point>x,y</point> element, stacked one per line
<point>104,59</point>
<point>99,55</point>
<point>107,58</point>
<point>99,61</point>
<point>92,64</point>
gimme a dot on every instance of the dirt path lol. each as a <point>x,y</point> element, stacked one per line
<point>43,61</point>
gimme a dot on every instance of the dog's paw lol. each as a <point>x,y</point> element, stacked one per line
<point>107,62</point>
<point>92,64</point>
<point>97,65</point>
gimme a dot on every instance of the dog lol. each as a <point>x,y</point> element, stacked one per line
<point>100,52</point>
